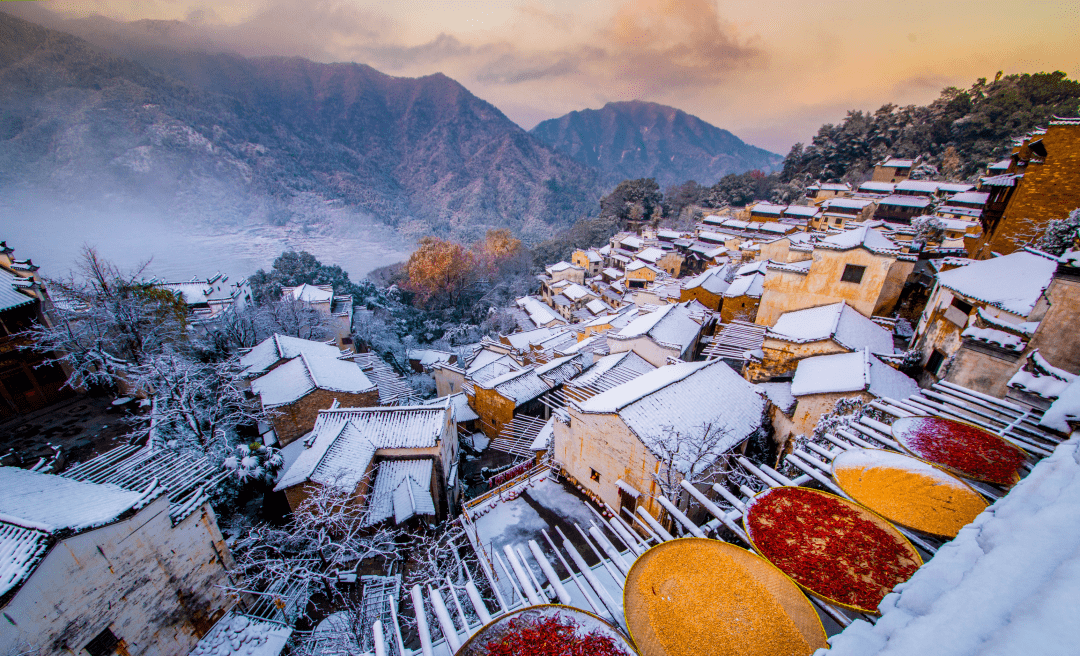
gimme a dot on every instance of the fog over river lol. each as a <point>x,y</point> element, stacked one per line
<point>53,233</point>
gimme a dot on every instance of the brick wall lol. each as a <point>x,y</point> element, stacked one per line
<point>297,419</point>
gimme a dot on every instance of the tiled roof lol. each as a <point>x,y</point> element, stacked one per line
<point>344,441</point>
<point>299,376</point>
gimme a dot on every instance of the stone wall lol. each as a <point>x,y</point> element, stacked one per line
<point>155,586</point>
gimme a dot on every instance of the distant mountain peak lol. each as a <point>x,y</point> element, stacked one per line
<point>638,139</point>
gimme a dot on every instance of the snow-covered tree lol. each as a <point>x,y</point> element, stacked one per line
<point>698,455</point>
<point>106,322</point>
<point>1060,235</point>
<point>327,533</point>
<point>928,230</point>
<point>845,413</point>
<point>116,331</point>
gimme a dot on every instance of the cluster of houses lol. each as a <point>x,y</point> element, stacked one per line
<point>650,359</point>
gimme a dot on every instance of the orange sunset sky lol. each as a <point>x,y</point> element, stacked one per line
<point>771,72</point>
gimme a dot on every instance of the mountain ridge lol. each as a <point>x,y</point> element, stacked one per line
<point>640,139</point>
<point>274,139</point>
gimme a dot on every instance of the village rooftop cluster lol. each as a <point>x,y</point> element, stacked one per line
<point>656,383</point>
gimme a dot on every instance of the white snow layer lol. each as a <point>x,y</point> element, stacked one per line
<point>683,398</point>
<point>851,372</point>
<point>299,376</point>
<point>838,321</point>
<point>50,503</point>
<point>1006,585</point>
<point>1066,407</point>
<point>1012,282</point>
<point>238,634</point>
<point>282,347</point>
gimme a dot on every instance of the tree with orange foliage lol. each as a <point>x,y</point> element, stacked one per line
<point>439,268</point>
<point>497,249</point>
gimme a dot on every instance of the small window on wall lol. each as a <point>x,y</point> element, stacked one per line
<point>934,362</point>
<point>853,273</point>
<point>962,305</point>
<point>594,475</point>
<point>103,644</point>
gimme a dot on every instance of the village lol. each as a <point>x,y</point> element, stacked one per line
<point>661,386</point>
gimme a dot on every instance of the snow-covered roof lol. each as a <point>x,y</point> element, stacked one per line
<point>670,326</point>
<point>767,208</point>
<point>538,312</point>
<point>562,369</point>
<point>309,293</point>
<point>683,398</point>
<point>802,267</point>
<point>1065,408</point>
<point>428,357</point>
<point>878,187</point>
<point>1006,584</point>
<point>575,292</point>
<point>894,162</point>
<point>10,296</point>
<point>905,201</point>
<point>596,306</point>
<point>344,441</point>
<point>563,266</point>
<point>651,254</point>
<point>926,186</point>
<point>631,242</point>
<point>494,369</point>
<point>279,347</point>
<point>780,395</point>
<point>639,264</point>
<point>299,376</point>
<point>668,234</point>
<point>752,286</point>
<point>402,489</point>
<point>462,411</point>
<point>518,386</point>
<point>50,503</point>
<point>240,634</point>
<point>1012,282</point>
<point>846,203</point>
<point>483,358</point>
<point>545,437</point>
<point>863,236</point>
<point>711,280</point>
<point>522,340</point>
<point>612,273</point>
<point>971,197</point>
<point>851,372</point>
<point>839,322</point>
<point>801,211</point>
<point>593,256</point>
<point>616,362</point>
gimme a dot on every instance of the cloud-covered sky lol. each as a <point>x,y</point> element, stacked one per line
<point>770,71</point>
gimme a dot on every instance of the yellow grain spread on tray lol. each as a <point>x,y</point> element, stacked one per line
<point>693,597</point>
<point>907,491</point>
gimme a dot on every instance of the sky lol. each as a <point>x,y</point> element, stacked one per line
<point>771,72</point>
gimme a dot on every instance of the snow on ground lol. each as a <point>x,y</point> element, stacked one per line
<point>545,504</point>
<point>1006,585</point>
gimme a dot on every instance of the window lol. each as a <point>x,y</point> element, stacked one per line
<point>962,305</point>
<point>103,644</point>
<point>594,475</point>
<point>934,362</point>
<point>853,273</point>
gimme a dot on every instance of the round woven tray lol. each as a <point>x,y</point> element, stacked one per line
<point>863,513</point>
<point>905,428</point>
<point>500,627</point>
<point>907,490</point>
<point>698,597</point>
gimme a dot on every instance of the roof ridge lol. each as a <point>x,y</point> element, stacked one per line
<point>690,369</point>
<point>309,370</point>
<point>839,314</point>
